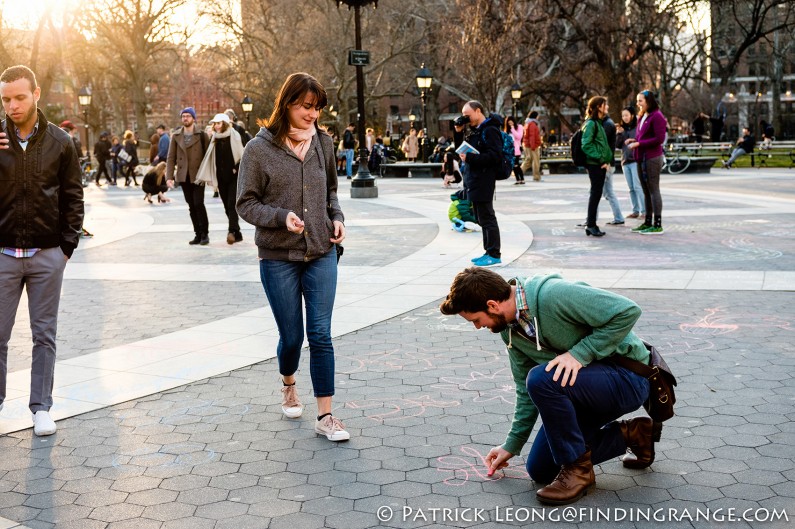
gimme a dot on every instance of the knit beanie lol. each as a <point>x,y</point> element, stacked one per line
<point>189,110</point>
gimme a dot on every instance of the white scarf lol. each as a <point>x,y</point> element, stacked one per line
<point>206,173</point>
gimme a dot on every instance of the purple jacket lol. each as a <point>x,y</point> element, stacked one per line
<point>651,136</point>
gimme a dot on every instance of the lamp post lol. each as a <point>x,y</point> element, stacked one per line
<point>363,183</point>
<point>84,98</point>
<point>248,106</point>
<point>424,80</point>
<point>516,95</point>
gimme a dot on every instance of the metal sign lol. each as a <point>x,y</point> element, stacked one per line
<point>358,58</point>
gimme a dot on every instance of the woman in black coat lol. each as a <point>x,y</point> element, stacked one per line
<point>131,148</point>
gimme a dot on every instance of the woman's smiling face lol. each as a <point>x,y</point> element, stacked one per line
<point>304,114</point>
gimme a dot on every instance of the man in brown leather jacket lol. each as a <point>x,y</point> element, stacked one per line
<point>41,214</point>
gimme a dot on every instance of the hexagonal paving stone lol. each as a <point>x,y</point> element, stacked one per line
<point>101,498</point>
<point>252,495</point>
<point>275,509</point>
<point>152,497</point>
<point>303,492</point>
<point>221,510</point>
<point>136,484</point>
<point>695,493</point>
<point>203,496</point>
<point>169,511</point>
<point>327,506</point>
<point>50,499</point>
<point>117,512</point>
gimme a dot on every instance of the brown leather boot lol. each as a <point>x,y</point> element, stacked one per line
<point>572,483</point>
<point>640,434</point>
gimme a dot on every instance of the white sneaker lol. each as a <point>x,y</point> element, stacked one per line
<point>43,424</point>
<point>291,405</point>
<point>332,428</point>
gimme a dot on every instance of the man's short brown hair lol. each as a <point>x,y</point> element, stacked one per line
<point>472,289</point>
<point>14,73</point>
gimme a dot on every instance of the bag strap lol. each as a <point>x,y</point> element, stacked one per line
<point>639,368</point>
<point>325,165</point>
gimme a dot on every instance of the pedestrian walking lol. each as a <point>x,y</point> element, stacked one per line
<point>163,140</point>
<point>648,147</point>
<point>102,154</point>
<point>185,154</point>
<point>220,169</point>
<point>624,131</point>
<point>480,176</point>
<point>41,215</point>
<point>288,190</point>
<point>131,162</point>
<point>348,148</point>
<point>411,146</point>
<point>598,155</point>
<point>517,133</point>
<point>116,163</point>
<point>531,143</point>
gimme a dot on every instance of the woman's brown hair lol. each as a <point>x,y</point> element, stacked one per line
<point>593,106</point>
<point>293,91</point>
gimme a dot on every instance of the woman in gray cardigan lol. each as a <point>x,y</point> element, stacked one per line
<point>287,188</point>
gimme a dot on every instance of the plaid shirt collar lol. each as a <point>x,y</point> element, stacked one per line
<point>523,317</point>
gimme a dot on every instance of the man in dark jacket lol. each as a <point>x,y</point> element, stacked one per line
<point>41,213</point>
<point>102,154</point>
<point>481,176</point>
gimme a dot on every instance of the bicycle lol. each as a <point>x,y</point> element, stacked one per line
<point>676,163</point>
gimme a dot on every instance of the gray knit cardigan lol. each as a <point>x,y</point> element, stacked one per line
<point>273,182</point>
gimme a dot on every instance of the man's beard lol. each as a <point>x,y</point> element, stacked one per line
<point>500,322</point>
<point>27,117</point>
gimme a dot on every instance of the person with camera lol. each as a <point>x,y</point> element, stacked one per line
<point>565,342</point>
<point>481,175</point>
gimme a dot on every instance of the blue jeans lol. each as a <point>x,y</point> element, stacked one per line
<point>635,190</point>
<point>287,284</point>
<point>739,151</point>
<point>349,161</point>
<point>610,195</point>
<point>581,415</point>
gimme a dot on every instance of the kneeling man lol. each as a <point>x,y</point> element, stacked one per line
<point>561,337</point>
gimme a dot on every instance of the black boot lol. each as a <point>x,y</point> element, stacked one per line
<point>205,239</point>
<point>196,240</point>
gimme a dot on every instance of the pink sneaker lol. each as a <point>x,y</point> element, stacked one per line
<point>332,428</point>
<point>291,405</point>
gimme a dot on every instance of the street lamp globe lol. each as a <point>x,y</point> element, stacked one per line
<point>424,78</point>
<point>84,97</point>
<point>247,104</point>
<point>516,92</point>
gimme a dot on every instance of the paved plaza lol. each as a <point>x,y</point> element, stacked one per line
<point>167,389</point>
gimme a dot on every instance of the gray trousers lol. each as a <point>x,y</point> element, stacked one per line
<point>42,276</point>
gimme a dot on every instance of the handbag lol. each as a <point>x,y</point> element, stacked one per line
<point>124,156</point>
<point>660,404</point>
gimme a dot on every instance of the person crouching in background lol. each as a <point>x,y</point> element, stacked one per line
<point>155,184</point>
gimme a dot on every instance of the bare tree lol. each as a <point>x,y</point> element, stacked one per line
<point>136,38</point>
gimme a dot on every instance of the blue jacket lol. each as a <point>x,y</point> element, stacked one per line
<point>162,147</point>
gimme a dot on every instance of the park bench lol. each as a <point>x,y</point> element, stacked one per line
<point>411,169</point>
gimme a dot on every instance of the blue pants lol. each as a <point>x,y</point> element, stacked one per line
<point>635,190</point>
<point>349,161</point>
<point>580,415</point>
<point>287,284</point>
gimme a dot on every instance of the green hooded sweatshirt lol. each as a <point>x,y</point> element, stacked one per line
<point>594,143</point>
<point>590,323</point>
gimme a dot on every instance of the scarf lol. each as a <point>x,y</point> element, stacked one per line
<point>206,174</point>
<point>301,140</point>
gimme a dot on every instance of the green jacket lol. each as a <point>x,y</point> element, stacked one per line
<point>588,322</point>
<point>594,143</point>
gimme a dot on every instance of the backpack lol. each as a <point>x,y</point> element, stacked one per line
<point>577,154</point>
<point>508,156</point>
